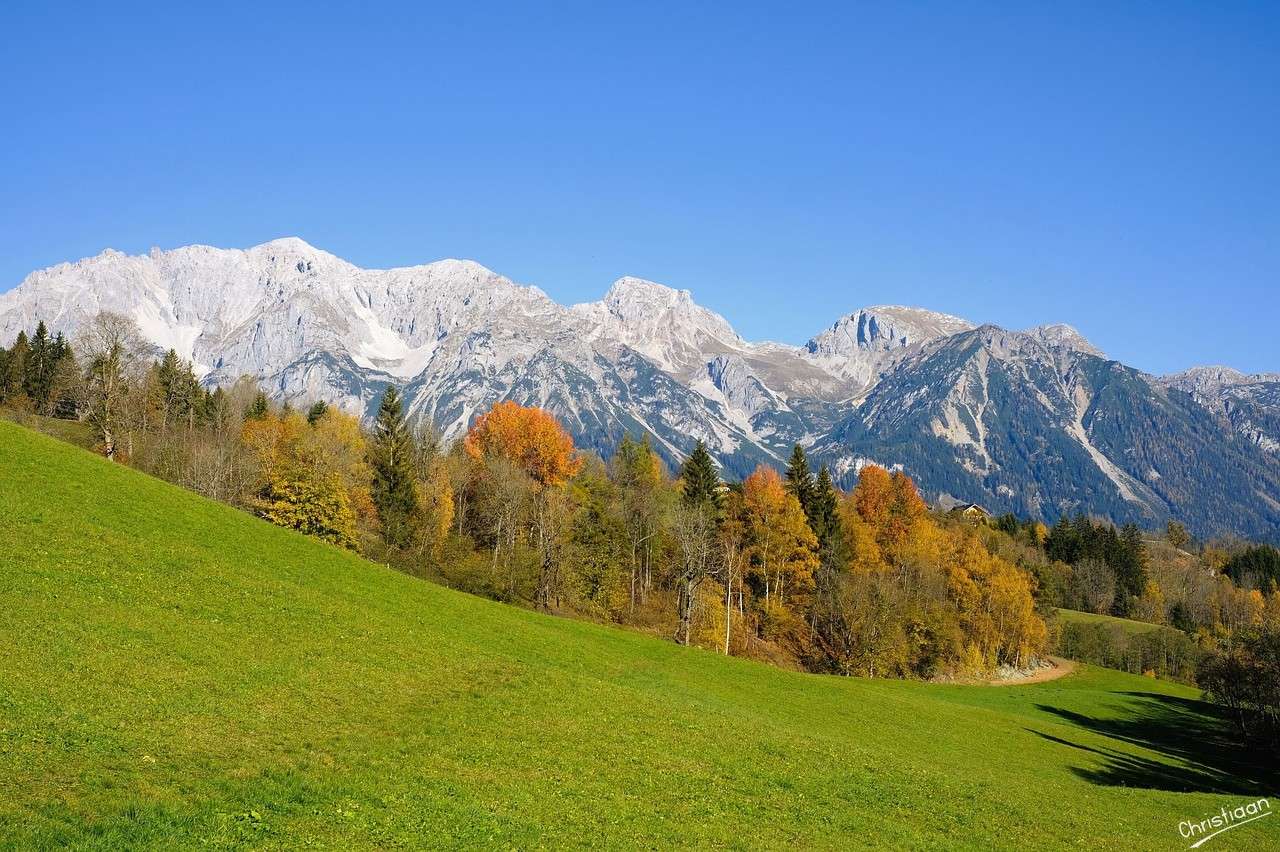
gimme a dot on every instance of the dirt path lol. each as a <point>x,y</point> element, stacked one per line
<point>1061,668</point>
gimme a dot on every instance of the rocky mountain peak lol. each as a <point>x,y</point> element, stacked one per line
<point>1064,336</point>
<point>885,328</point>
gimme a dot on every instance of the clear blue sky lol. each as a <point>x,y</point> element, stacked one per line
<point>1114,166</point>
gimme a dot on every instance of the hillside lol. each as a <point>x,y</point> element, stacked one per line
<point>179,674</point>
<point>1075,616</point>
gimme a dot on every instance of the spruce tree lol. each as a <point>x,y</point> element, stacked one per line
<point>258,408</point>
<point>391,457</point>
<point>177,390</point>
<point>39,367</point>
<point>701,481</point>
<point>800,483</point>
<point>316,411</point>
<point>824,506</point>
<point>12,383</point>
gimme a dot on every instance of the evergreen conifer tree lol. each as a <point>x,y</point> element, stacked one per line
<point>217,411</point>
<point>12,383</point>
<point>824,503</point>
<point>800,483</point>
<point>391,456</point>
<point>316,411</point>
<point>701,481</point>
<point>39,367</point>
<point>258,408</point>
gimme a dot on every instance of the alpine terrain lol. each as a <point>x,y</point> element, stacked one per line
<point>1039,422</point>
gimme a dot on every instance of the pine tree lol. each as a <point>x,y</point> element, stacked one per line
<point>701,481</point>
<point>824,502</point>
<point>800,483</point>
<point>391,456</point>
<point>316,411</point>
<point>1131,570</point>
<point>39,367</point>
<point>258,408</point>
<point>14,379</point>
<point>177,390</point>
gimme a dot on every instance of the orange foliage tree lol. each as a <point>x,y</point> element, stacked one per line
<point>529,437</point>
<point>532,440</point>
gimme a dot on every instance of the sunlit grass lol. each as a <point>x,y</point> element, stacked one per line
<point>178,674</point>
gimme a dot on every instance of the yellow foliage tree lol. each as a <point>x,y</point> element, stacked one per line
<point>923,596</point>
<point>306,478</point>
<point>781,546</point>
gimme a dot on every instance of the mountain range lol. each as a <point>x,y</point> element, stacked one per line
<point>1038,422</point>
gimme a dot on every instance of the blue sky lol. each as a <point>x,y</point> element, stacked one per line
<point>1114,166</point>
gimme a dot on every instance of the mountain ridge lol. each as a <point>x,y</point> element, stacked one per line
<point>935,394</point>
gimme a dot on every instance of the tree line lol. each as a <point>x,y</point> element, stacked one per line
<point>781,566</point>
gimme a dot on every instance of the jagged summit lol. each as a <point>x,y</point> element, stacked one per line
<point>629,287</point>
<point>981,413</point>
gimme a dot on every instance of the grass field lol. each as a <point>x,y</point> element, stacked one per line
<point>1127,624</point>
<point>177,674</point>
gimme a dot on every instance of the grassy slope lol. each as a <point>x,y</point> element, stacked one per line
<point>1127,624</point>
<point>177,673</point>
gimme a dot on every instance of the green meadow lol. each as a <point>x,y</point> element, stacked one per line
<point>1074,616</point>
<point>177,674</point>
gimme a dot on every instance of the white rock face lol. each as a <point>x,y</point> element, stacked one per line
<point>978,412</point>
<point>457,335</point>
<point>1249,402</point>
<point>861,346</point>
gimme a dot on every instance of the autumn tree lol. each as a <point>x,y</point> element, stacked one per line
<point>533,442</point>
<point>529,437</point>
<point>781,545</point>
<point>920,598</point>
<point>311,477</point>
<point>434,513</point>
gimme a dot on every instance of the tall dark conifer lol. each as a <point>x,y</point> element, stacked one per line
<point>39,368</point>
<point>701,481</point>
<point>391,456</point>
<point>800,483</point>
<point>824,502</point>
<point>316,411</point>
<point>258,408</point>
<point>13,382</point>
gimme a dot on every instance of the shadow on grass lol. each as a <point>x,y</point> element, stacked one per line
<point>1192,740</point>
